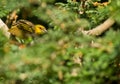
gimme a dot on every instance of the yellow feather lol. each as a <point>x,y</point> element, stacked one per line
<point>16,32</point>
<point>39,29</point>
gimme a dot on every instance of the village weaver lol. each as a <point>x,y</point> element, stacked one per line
<point>24,29</point>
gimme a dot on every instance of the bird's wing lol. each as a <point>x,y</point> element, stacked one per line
<point>25,25</point>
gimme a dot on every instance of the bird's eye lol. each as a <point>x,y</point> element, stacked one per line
<point>40,27</point>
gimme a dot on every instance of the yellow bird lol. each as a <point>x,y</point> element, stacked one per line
<point>23,29</point>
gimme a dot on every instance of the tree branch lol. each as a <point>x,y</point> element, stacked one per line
<point>100,28</point>
<point>4,29</point>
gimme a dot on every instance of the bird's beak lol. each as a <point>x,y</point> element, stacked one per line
<point>45,30</point>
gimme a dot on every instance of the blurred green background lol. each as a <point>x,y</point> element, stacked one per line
<point>63,55</point>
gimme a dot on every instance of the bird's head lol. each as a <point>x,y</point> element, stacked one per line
<point>39,29</point>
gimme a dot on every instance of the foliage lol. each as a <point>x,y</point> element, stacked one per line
<point>7,6</point>
<point>63,55</point>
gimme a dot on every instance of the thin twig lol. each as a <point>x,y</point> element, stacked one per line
<point>11,18</point>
